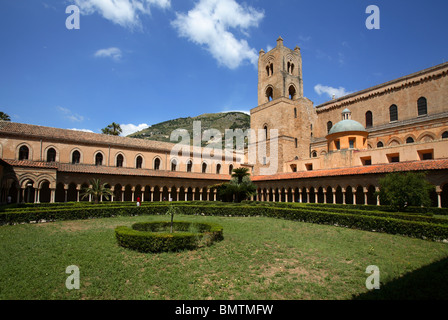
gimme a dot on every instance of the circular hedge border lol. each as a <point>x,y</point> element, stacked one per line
<point>155,237</point>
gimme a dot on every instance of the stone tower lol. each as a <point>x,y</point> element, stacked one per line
<point>282,107</point>
<point>279,74</point>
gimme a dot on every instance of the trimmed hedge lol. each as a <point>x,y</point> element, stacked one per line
<point>434,229</point>
<point>145,237</point>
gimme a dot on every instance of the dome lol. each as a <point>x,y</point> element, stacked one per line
<point>346,126</point>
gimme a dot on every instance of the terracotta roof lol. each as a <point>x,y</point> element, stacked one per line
<point>30,164</point>
<point>374,169</point>
<point>91,169</point>
<point>29,130</point>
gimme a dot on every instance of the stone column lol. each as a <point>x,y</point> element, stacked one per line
<point>334,195</point>
<point>378,202</point>
<point>151,194</point>
<point>122,193</point>
<point>366,192</point>
<point>143,194</point>
<point>133,194</point>
<point>325,195</point>
<point>200,194</point>
<point>52,195</point>
<point>66,192</point>
<point>186,194</point>
<point>37,195</point>
<point>78,188</point>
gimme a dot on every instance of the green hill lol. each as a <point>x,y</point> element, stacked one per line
<point>219,121</point>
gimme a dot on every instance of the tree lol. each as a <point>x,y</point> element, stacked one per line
<point>239,188</point>
<point>240,173</point>
<point>113,129</point>
<point>4,117</point>
<point>402,190</point>
<point>97,189</point>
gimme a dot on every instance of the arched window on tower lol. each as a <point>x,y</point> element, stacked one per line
<point>380,145</point>
<point>445,135</point>
<point>295,113</point>
<point>270,94</point>
<point>231,169</point>
<point>393,112</point>
<point>24,153</point>
<point>292,92</point>
<point>297,143</point>
<point>422,105</point>
<point>409,140</point>
<point>272,68</point>
<point>204,168</point>
<point>329,126</point>
<point>218,169</point>
<point>51,155</point>
<point>369,119</point>
<point>265,132</point>
<point>99,159</point>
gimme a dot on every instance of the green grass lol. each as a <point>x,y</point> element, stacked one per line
<point>260,258</point>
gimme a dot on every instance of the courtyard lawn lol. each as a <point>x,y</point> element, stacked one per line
<point>259,258</point>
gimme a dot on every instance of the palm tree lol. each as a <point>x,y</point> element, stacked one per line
<point>4,117</point>
<point>240,173</point>
<point>97,189</point>
<point>113,129</point>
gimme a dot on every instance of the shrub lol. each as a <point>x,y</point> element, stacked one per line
<point>146,237</point>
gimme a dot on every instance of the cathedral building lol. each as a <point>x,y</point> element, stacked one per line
<point>335,152</point>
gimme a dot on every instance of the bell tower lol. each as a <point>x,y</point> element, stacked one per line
<point>282,109</point>
<point>279,74</point>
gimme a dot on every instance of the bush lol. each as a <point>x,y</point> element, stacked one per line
<point>145,237</point>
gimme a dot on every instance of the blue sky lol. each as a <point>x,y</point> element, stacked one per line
<point>142,62</point>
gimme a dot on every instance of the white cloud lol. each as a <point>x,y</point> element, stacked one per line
<point>113,53</point>
<point>132,128</point>
<point>330,91</point>
<point>83,130</point>
<point>68,114</point>
<point>122,12</point>
<point>208,25</point>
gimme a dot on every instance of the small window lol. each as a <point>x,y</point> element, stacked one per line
<point>338,144</point>
<point>51,155</point>
<point>352,143</point>
<point>204,168</point>
<point>120,161</point>
<point>314,154</point>
<point>157,164</point>
<point>297,143</point>
<point>369,119</point>
<point>366,161</point>
<point>270,94</point>
<point>393,113</point>
<point>231,169</point>
<point>76,157</point>
<point>409,140</point>
<point>445,135</point>
<point>139,162</point>
<point>218,169</point>
<point>295,113</point>
<point>380,145</point>
<point>427,156</point>
<point>189,166</point>
<point>173,165</point>
<point>99,159</point>
<point>24,153</point>
<point>292,93</point>
<point>393,157</point>
<point>422,105</point>
<point>266,132</point>
<point>329,126</point>
<point>309,167</point>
